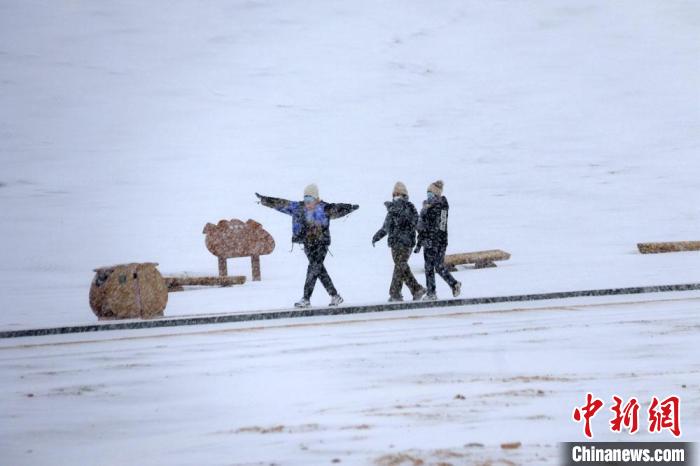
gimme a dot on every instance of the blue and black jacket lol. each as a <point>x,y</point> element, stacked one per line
<point>310,227</point>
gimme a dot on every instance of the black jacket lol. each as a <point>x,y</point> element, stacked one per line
<point>310,227</point>
<point>432,226</point>
<point>400,224</point>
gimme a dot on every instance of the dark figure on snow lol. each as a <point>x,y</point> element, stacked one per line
<point>310,227</point>
<point>400,225</point>
<point>432,237</point>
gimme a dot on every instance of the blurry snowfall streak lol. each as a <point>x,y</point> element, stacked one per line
<point>233,238</point>
<point>128,291</point>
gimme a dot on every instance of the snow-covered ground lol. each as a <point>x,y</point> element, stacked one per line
<point>442,386</point>
<point>566,132</point>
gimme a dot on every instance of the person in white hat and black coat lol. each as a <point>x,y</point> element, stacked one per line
<point>310,227</point>
<point>432,237</point>
<point>400,226</point>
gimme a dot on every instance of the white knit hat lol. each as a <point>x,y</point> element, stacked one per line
<point>436,187</point>
<point>311,190</point>
<point>400,188</point>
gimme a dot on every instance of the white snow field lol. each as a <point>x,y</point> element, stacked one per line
<point>442,387</point>
<point>565,133</point>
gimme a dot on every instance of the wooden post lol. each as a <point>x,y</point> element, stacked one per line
<point>654,248</point>
<point>223,270</point>
<point>255,264</point>
<point>177,283</point>
<point>480,259</point>
<point>484,264</point>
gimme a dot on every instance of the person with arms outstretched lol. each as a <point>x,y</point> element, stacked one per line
<point>310,227</point>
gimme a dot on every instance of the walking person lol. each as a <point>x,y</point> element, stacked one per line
<point>432,237</point>
<point>310,227</point>
<point>400,226</point>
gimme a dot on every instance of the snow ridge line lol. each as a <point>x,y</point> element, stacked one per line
<point>341,310</point>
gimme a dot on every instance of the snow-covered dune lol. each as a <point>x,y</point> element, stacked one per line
<point>565,133</point>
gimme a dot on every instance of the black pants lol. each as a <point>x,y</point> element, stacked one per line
<point>316,253</point>
<point>402,272</point>
<point>435,262</point>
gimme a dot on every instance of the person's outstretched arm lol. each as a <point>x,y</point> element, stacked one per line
<point>281,205</point>
<point>340,210</point>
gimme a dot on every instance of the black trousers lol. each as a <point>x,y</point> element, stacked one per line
<point>435,262</point>
<point>316,253</point>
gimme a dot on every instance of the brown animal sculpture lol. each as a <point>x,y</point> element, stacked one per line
<point>128,291</point>
<point>233,238</point>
